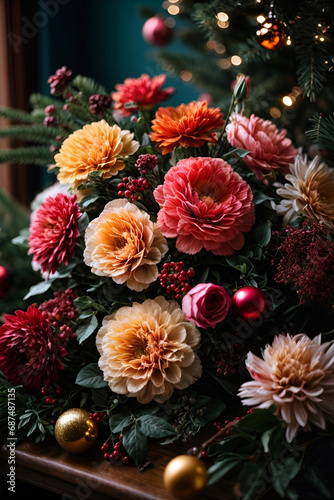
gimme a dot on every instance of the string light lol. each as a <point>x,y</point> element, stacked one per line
<point>186,76</point>
<point>223,24</point>
<point>287,101</point>
<point>224,63</point>
<point>289,41</point>
<point>222,16</point>
<point>210,44</point>
<point>260,19</point>
<point>220,48</point>
<point>236,60</point>
<point>173,10</point>
<point>275,112</point>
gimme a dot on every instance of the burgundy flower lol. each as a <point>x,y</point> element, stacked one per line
<point>307,263</point>
<point>59,80</point>
<point>54,231</point>
<point>30,350</point>
<point>61,312</point>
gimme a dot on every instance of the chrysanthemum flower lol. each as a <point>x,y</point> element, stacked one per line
<point>54,231</point>
<point>124,244</point>
<point>296,375</point>
<point>270,151</point>
<point>30,351</point>
<point>204,203</point>
<point>187,125</point>
<point>144,91</point>
<point>94,147</point>
<point>308,192</point>
<point>147,350</point>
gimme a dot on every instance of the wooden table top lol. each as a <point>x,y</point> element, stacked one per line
<point>89,476</point>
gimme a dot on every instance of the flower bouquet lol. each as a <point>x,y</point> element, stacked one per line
<point>187,280</point>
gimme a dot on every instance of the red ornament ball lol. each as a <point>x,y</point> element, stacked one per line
<point>156,31</point>
<point>5,282</point>
<point>272,34</point>
<point>250,303</point>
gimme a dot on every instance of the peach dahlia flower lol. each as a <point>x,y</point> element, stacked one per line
<point>187,125</point>
<point>124,244</point>
<point>296,375</point>
<point>97,146</point>
<point>269,150</point>
<point>148,350</point>
<point>309,192</point>
<point>204,203</point>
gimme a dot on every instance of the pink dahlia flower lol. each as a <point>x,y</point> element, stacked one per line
<point>206,304</point>
<point>269,150</point>
<point>204,203</point>
<point>296,375</point>
<point>144,91</point>
<point>30,350</point>
<point>53,232</point>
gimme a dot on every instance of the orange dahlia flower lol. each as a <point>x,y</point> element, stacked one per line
<point>148,349</point>
<point>97,146</point>
<point>125,245</point>
<point>187,125</point>
<point>144,91</point>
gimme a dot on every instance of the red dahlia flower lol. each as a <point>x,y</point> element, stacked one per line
<point>30,350</point>
<point>54,231</point>
<point>204,203</point>
<point>144,91</point>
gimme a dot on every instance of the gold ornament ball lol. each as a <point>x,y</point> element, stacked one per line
<point>185,477</point>
<point>75,431</point>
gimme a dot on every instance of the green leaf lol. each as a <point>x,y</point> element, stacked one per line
<point>259,420</point>
<point>282,473</point>
<point>250,480</point>
<point>119,422</point>
<point>220,469</point>
<point>262,234</point>
<point>38,289</point>
<point>135,443</point>
<point>154,427</point>
<point>91,376</point>
<point>240,153</point>
<point>86,328</point>
<point>227,386</point>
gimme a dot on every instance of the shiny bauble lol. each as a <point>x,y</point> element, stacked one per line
<point>250,303</point>
<point>75,431</point>
<point>5,282</point>
<point>272,34</point>
<point>185,477</point>
<point>156,31</point>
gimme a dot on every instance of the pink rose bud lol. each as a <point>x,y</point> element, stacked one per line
<point>206,304</point>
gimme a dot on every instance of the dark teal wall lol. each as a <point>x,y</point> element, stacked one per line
<point>101,39</point>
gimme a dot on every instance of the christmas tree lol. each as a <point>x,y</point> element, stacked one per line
<point>285,47</point>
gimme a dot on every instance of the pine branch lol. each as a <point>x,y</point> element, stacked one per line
<point>322,131</point>
<point>41,101</point>
<point>34,133</point>
<point>88,86</point>
<point>17,115</point>
<point>34,155</point>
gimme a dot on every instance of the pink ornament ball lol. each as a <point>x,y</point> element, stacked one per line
<point>156,31</point>
<point>250,303</point>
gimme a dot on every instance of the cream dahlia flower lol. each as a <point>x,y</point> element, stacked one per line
<point>125,245</point>
<point>309,192</point>
<point>148,350</point>
<point>97,146</point>
<point>296,375</point>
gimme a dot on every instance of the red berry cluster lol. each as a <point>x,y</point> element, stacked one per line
<point>175,279</point>
<point>146,163</point>
<point>97,417</point>
<point>60,310</point>
<point>98,103</point>
<point>49,118</point>
<point>132,188</point>
<point>230,360</point>
<point>116,453</point>
<point>59,80</point>
<point>46,391</point>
